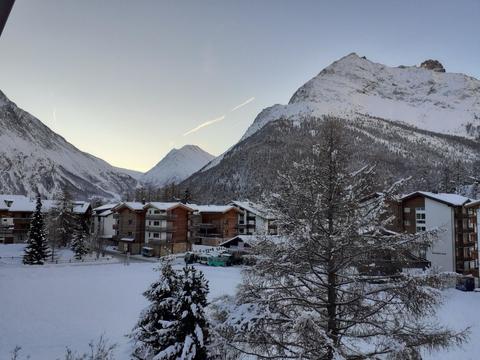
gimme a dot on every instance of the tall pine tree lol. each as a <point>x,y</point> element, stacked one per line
<point>79,244</point>
<point>64,217</point>
<point>36,251</point>
<point>321,292</point>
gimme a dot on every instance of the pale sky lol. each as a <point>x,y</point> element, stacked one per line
<point>127,80</point>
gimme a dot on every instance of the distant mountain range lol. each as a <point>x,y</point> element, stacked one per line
<point>418,121</point>
<point>34,158</point>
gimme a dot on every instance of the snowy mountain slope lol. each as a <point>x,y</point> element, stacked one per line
<point>249,170</point>
<point>437,101</point>
<point>133,173</point>
<point>34,157</point>
<point>176,166</point>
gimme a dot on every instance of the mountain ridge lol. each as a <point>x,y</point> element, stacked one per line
<point>424,105</point>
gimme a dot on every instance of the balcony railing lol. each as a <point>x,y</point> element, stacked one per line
<point>152,228</point>
<point>161,217</point>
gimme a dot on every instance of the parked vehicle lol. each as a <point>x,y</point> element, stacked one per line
<point>465,283</point>
<point>220,260</point>
<point>147,251</point>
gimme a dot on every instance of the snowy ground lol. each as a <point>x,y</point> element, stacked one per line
<point>46,308</point>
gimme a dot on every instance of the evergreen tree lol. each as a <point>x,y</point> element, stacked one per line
<point>174,325</point>
<point>187,197</point>
<point>80,244</point>
<point>156,331</point>
<point>36,251</point>
<point>321,292</point>
<point>64,217</point>
<point>193,333</point>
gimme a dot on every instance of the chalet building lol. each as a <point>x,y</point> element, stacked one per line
<point>213,224</point>
<point>104,223</point>
<point>422,211</point>
<point>16,212</point>
<point>129,226</point>
<point>468,250</point>
<point>167,227</point>
<point>254,219</point>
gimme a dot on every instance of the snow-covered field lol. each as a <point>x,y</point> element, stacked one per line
<point>46,308</point>
<point>43,309</point>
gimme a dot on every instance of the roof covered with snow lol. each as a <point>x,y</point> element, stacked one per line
<point>167,205</point>
<point>7,200</point>
<point>212,208</point>
<point>132,205</point>
<point>254,208</point>
<point>80,207</point>
<point>105,207</point>
<point>449,199</point>
<point>20,203</point>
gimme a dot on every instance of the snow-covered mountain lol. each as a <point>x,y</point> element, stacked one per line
<point>176,166</point>
<point>410,120</point>
<point>422,96</point>
<point>33,157</point>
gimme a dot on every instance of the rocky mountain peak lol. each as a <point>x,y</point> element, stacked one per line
<point>434,65</point>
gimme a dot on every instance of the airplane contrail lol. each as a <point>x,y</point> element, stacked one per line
<point>206,123</point>
<point>54,114</point>
<point>243,104</point>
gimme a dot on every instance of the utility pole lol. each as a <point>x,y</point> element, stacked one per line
<point>5,8</point>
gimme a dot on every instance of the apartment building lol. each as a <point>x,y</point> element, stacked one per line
<point>129,226</point>
<point>213,224</point>
<point>422,211</point>
<point>254,219</point>
<point>167,227</point>
<point>467,251</point>
<point>104,223</point>
<point>16,212</point>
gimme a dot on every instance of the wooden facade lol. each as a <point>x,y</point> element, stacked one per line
<point>167,229</point>
<point>130,228</point>
<point>214,227</point>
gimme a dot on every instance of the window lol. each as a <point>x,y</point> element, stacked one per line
<point>155,235</point>
<point>406,223</point>
<point>156,223</point>
<point>130,221</point>
<point>130,233</point>
<point>420,219</point>
<point>406,210</point>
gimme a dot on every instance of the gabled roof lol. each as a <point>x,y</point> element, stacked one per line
<point>475,203</point>
<point>80,207</point>
<point>24,204</point>
<point>222,209</point>
<point>168,205</point>
<point>105,207</point>
<point>256,209</point>
<point>6,200</point>
<point>445,198</point>
<point>132,205</point>
<point>252,240</point>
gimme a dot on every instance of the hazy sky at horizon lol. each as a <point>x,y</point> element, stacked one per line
<point>127,80</point>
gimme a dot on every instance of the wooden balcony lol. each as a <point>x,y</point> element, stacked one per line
<point>152,228</point>
<point>168,217</point>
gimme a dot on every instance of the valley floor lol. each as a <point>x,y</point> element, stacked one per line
<point>46,308</point>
